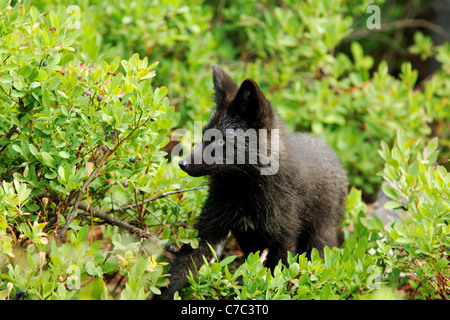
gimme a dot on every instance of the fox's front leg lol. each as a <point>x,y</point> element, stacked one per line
<point>185,260</point>
<point>212,229</point>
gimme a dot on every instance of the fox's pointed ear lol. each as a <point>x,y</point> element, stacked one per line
<point>225,88</point>
<point>251,104</point>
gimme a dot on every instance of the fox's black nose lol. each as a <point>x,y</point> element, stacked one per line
<point>182,164</point>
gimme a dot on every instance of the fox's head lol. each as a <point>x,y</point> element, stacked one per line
<point>240,132</point>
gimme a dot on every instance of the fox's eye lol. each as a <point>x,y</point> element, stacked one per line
<point>221,142</point>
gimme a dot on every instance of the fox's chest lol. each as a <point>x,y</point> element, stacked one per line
<point>245,224</point>
<point>250,218</point>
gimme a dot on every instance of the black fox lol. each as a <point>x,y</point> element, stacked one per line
<point>284,191</point>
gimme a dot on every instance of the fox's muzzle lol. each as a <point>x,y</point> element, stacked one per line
<point>192,164</point>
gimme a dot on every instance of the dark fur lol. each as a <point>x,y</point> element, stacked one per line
<point>297,209</point>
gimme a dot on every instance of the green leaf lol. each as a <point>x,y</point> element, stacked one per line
<point>62,173</point>
<point>33,150</point>
<point>390,192</point>
<point>96,245</point>
<point>159,94</point>
<point>18,149</point>
<point>111,264</point>
<point>40,134</point>
<point>82,233</point>
<point>408,144</point>
<point>51,175</point>
<point>34,84</point>
<point>155,290</point>
<point>53,83</point>
<point>4,4</point>
<point>303,279</point>
<point>227,260</point>
<point>99,255</point>
<point>48,159</point>
<point>430,150</point>
<point>194,243</point>
<point>92,269</point>
<point>64,155</point>
<point>315,255</point>
<point>373,223</point>
<point>392,205</point>
<point>94,290</point>
<point>46,99</point>
<point>54,19</point>
<point>294,269</point>
<point>441,264</point>
<point>166,232</point>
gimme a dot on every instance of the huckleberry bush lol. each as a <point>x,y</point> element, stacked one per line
<point>64,154</point>
<point>91,194</point>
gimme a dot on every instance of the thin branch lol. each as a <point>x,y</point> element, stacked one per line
<point>154,215</point>
<point>117,222</point>
<point>94,174</point>
<point>184,182</point>
<point>155,197</point>
<point>176,204</point>
<point>401,24</point>
<point>139,209</point>
<point>104,215</point>
<point>80,195</point>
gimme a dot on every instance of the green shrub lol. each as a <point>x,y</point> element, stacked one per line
<point>69,131</point>
<point>85,119</point>
<point>375,260</point>
<point>418,244</point>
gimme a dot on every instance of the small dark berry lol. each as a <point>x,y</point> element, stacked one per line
<point>125,184</point>
<point>167,246</point>
<point>87,92</point>
<point>45,63</point>
<point>104,148</point>
<point>183,225</point>
<point>132,160</point>
<point>99,98</point>
<point>21,294</point>
<point>142,192</point>
<point>433,278</point>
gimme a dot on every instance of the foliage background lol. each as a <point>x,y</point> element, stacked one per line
<point>91,93</point>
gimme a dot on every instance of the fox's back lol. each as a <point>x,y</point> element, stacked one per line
<point>317,158</point>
